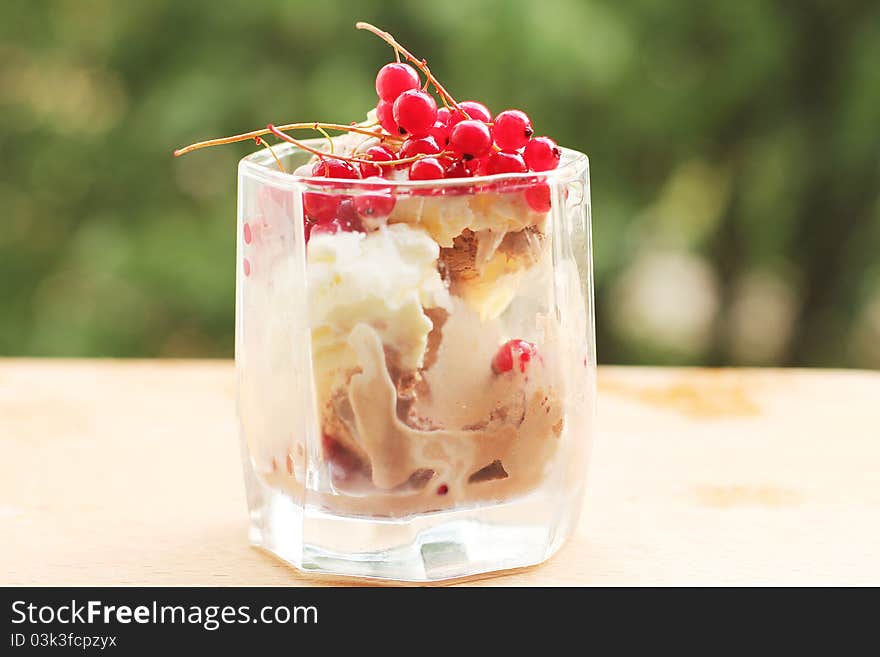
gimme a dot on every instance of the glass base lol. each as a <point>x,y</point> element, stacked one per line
<point>427,548</point>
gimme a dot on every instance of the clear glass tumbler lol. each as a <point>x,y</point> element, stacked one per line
<point>415,400</point>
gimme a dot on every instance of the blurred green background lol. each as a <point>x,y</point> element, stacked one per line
<point>735,153</point>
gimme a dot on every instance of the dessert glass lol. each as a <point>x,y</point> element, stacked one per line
<point>416,402</point>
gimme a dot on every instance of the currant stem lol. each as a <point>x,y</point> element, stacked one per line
<point>290,126</point>
<point>329,140</point>
<point>356,160</point>
<point>265,143</point>
<point>421,64</point>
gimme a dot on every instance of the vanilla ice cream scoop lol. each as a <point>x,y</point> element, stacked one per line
<point>386,279</point>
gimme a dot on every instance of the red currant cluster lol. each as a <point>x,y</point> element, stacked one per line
<point>329,212</point>
<point>455,141</point>
<point>452,141</point>
<point>459,140</point>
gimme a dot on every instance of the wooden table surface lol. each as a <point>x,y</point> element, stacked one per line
<point>127,472</point>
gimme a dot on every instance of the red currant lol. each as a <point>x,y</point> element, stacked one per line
<point>374,206</point>
<point>320,207</point>
<point>445,161</point>
<point>440,132</point>
<point>393,79</point>
<point>444,116</point>
<point>418,146</point>
<point>479,166</point>
<point>376,154</point>
<point>542,154</point>
<point>330,167</point>
<point>538,197</point>
<point>457,169</point>
<point>347,217</point>
<point>476,111</point>
<point>514,353</point>
<point>428,168</point>
<point>415,112</point>
<point>512,130</point>
<point>474,165</point>
<point>470,139</point>
<point>505,162</point>
<point>385,114</point>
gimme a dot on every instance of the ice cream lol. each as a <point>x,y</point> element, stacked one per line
<point>406,313</point>
<point>405,320</point>
<point>386,279</point>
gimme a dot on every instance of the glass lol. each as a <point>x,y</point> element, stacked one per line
<point>415,403</point>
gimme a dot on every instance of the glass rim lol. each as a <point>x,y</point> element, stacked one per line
<point>261,164</point>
